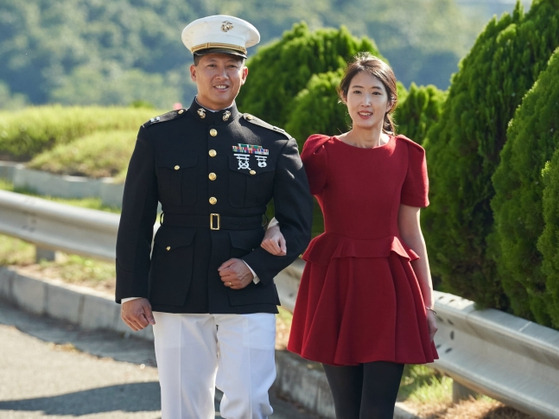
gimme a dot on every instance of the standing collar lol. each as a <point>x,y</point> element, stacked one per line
<point>206,115</point>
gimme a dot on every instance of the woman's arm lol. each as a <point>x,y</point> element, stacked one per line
<point>410,230</point>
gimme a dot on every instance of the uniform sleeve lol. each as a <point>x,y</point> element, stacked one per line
<point>415,189</point>
<point>135,231</point>
<point>293,206</point>
<point>314,158</point>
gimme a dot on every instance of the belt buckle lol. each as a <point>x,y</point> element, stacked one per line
<point>214,221</point>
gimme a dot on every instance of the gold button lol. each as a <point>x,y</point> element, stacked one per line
<point>213,200</point>
<point>181,111</point>
<point>212,153</point>
<point>213,132</point>
<point>168,248</point>
<point>212,176</point>
<point>252,172</point>
<point>177,167</point>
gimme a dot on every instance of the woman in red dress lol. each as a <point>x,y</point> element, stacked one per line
<point>364,306</point>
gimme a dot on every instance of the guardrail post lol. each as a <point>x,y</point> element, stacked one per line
<point>461,392</point>
<point>42,253</point>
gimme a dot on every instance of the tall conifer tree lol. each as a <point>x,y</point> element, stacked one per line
<point>463,148</point>
<point>532,138</point>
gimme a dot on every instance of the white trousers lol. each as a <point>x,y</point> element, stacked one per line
<point>196,353</point>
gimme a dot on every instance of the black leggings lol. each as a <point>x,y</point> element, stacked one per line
<point>365,391</point>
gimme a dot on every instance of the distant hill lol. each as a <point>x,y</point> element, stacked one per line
<point>125,51</point>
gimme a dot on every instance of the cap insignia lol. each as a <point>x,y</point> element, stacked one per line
<point>226,26</point>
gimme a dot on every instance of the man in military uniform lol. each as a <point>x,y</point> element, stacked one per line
<point>205,284</point>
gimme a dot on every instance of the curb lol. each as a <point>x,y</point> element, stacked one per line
<point>300,381</point>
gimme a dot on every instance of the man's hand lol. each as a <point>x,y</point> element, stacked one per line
<point>137,314</point>
<point>235,274</point>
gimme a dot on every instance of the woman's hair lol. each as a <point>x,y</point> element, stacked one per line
<point>367,62</point>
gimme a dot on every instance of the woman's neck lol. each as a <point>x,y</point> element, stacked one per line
<point>364,139</point>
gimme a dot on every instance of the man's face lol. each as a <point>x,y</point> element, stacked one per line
<point>219,78</point>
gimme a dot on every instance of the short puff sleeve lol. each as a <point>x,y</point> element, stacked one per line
<point>315,161</point>
<point>415,190</point>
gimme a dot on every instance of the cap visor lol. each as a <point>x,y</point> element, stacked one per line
<point>220,51</point>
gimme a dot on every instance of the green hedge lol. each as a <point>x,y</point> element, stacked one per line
<point>26,133</point>
<point>97,155</point>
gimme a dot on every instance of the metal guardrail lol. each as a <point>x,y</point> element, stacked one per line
<point>494,353</point>
<point>502,356</point>
<point>55,226</point>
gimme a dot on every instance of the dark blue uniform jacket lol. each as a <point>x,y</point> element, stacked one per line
<point>213,174</point>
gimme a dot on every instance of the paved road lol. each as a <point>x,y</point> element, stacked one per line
<point>51,369</point>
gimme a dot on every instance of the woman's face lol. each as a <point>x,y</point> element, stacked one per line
<point>367,101</point>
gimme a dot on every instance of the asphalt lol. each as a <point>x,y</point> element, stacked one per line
<point>54,369</point>
<point>65,352</point>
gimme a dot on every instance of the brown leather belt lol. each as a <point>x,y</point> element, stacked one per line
<point>214,221</point>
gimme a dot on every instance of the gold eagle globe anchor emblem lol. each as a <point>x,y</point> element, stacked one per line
<point>226,26</point>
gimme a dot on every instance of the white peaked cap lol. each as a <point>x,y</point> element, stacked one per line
<point>220,33</point>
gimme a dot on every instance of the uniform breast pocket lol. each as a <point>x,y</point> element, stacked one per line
<point>177,180</point>
<point>251,180</point>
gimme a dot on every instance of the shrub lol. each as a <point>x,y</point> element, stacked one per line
<point>26,133</point>
<point>98,155</point>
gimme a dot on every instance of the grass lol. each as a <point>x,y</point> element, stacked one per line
<point>420,385</point>
<point>91,202</point>
<point>98,155</point>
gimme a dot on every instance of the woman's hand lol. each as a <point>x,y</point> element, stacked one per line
<point>274,242</point>
<point>432,323</point>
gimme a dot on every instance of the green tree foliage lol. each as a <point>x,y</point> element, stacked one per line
<point>90,52</point>
<point>283,68</point>
<point>463,148</point>
<point>532,138</point>
<point>419,110</point>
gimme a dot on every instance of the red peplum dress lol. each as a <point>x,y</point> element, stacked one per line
<point>359,299</point>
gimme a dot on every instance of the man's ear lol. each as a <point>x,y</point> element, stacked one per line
<point>193,72</point>
<point>244,75</point>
